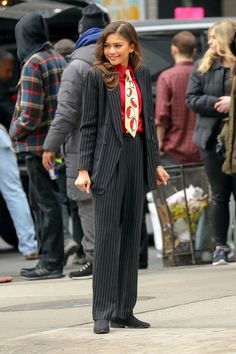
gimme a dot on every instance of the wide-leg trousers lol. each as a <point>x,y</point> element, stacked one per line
<point>118,220</point>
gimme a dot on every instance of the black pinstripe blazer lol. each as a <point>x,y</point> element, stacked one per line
<point>101,133</point>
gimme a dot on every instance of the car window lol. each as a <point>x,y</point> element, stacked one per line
<point>156,52</point>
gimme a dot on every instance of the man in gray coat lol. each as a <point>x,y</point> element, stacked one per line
<point>66,124</point>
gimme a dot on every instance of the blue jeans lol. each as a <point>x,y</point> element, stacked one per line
<point>14,196</point>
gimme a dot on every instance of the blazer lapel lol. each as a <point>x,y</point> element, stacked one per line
<point>138,76</point>
<point>114,99</point>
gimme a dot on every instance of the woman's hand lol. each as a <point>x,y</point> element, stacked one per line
<point>162,175</point>
<point>222,105</point>
<point>83,181</point>
<point>48,160</point>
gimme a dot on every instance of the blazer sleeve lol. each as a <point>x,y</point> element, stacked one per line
<point>88,127</point>
<point>155,154</point>
<point>198,100</point>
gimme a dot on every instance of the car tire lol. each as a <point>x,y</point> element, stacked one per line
<point>7,229</point>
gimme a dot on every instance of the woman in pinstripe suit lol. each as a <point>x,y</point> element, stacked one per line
<point>117,163</point>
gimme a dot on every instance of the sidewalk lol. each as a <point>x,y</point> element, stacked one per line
<point>191,310</point>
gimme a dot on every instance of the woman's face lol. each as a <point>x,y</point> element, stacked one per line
<point>117,49</point>
<point>212,42</point>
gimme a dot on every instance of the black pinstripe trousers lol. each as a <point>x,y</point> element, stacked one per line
<point>118,219</point>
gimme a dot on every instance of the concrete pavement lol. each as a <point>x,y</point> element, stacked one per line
<point>191,310</point>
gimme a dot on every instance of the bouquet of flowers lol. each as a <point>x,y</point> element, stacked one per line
<point>186,207</point>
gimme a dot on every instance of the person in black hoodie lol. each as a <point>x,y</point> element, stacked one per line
<point>35,109</point>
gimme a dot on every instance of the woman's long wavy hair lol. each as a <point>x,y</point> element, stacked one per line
<point>224,33</point>
<point>127,31</point>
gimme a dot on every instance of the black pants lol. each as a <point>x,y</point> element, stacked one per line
<point>44,195</point>
<point>118,219</point>
<point>143,253</point>
<point>222,186</point>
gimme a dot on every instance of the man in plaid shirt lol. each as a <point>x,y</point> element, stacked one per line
<point>35,108</point>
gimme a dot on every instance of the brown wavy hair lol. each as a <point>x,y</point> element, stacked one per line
<point>127,31</point>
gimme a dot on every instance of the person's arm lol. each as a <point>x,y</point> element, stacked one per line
<point>68,113</point>
<point>163,114</point>
<point>196,99</point>
<point>88,127</point>
<point>83,181</point>
<point>162,175</point>
<point>30,105</point>
<point>223,104</point>
<point>88,131</point>
<point>161,137</point>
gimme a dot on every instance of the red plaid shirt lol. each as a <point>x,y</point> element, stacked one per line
<point>173,114</point>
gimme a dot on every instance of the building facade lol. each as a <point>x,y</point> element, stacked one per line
<point>213,8</point>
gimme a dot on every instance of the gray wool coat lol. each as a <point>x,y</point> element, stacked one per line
<point>65,126</point>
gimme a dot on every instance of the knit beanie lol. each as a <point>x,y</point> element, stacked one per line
<point>93,16</point>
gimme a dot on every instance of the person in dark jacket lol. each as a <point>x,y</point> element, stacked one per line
<point>7,104</point>
<point>208,94</point>
<point>65,127</point>
<point>35,109</point>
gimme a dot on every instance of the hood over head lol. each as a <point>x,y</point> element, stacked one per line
<point>31,34</point>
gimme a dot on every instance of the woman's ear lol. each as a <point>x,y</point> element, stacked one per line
<point>131,48</point>
<point>174,50</point>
